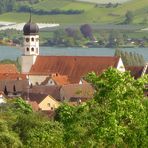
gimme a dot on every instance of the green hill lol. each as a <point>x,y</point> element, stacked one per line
<point>92,13</point>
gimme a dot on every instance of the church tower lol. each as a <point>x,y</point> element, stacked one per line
<point>31,45</point>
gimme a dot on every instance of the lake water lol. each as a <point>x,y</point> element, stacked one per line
<point>7,52</point>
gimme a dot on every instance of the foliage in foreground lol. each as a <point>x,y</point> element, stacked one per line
<point>117,116</point>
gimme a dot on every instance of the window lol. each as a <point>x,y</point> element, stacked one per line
<point>27,39</point>
<point>27,49</point>
<point>32,49</point>
<point>32,39</point>
<point>37,39</point>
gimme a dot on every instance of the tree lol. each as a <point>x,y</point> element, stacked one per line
<point>8,138</point>
<point>119,99</point>
<point>129,17</point>
<point>130,59</point>
<point>20,106</point>
<point>35,130</point>
<point>115,117</point>
<point>86,30</point>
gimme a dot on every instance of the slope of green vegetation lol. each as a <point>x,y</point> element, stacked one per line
<point>93,13</point>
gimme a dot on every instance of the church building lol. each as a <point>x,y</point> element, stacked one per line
<point>59,70</point>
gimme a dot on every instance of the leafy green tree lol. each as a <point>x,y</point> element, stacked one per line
<point>37,131</point>
<point>115,117</point>
<point>20,106</point>
<point>119,98</point>
<point>8,138</point>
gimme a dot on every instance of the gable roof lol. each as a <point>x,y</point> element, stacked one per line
<point>74,67</point>
<point>136,71</point>
<point>81,91</point>
<point>61,80</point>
<point>58,80</point>
<point>20,85</point>
<point>8,68</point>
<point>53,91</point>
<point>34,97</point>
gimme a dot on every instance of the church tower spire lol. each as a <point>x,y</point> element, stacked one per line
<point>31,45</point>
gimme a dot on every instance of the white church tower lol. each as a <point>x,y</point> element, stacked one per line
<point>31,45</point>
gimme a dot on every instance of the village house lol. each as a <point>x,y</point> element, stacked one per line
<point>45,81</point>
<point>12,82</point>
<point>43,97</point>
<point>59,70</point>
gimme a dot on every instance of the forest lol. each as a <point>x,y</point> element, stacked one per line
<point>117,116</point>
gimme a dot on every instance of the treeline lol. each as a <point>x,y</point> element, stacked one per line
<point>50,12</point>
<point>130,59</point>
<point>7,5</point>
<point>14,5</point>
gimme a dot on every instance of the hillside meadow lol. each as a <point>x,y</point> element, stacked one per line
<point>93,13</point>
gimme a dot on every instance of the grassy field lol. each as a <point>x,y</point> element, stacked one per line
<point>92,13</point>
<point>104,1</point>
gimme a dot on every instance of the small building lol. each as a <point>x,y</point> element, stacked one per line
<point>43,101</point>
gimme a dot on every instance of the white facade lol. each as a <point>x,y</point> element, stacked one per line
<point>120,66</point>
<point>31,45</point>
<point>26,62</point>
<point>30,52</point>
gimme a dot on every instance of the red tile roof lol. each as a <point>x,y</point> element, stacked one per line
<point>8,68</point>
<point>61,80</point>
<point>74,67</point>
<point>12,76</point>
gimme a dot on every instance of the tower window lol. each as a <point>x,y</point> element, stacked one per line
<point>37,39</point>
<point>32,49</point>
<point>27,39</point>
<point>32,39</point>
<point>27,49</point>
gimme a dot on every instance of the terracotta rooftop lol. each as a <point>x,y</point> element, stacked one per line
<point>12,76</point>
<point>8,68</point>
<point>74,67</point>
<point>58,79</point>
<point>61,80</point>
